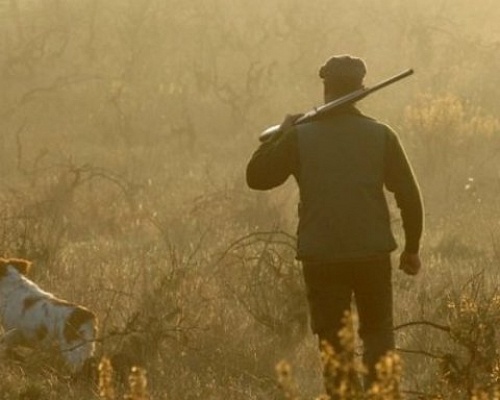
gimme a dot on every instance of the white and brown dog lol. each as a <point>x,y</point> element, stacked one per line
<point>34,317</point>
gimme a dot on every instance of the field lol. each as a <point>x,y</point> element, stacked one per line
<point>125,129</point>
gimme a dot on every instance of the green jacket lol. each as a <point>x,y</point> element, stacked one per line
<point>342,164</point>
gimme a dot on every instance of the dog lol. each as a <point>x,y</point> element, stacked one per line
<point>30,316</point>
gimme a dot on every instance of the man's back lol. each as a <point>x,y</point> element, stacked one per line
<point>341,165</point>
<point>343,212</point>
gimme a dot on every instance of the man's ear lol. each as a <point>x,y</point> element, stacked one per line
<point>23,266</point>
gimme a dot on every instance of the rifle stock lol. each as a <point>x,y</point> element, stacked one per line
<point>348,98</point>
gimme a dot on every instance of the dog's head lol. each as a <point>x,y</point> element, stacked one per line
<point>20,265</point>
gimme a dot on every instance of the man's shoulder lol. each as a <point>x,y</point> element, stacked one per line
<point>372,120</point>
<point>378,125</point>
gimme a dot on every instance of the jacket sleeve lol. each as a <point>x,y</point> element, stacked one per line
<point>400,179</point>
<point>273,162</point>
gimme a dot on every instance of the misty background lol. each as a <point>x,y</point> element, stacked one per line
<point>125,129</point>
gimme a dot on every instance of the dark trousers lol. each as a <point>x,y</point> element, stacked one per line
<point>330,289</point>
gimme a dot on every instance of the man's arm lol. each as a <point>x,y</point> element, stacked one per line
<point>275,159</point>
<point>400,179</point>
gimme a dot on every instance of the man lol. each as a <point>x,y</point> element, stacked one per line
<point>342,162</point>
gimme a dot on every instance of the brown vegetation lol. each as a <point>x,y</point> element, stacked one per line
<point>125,129</point>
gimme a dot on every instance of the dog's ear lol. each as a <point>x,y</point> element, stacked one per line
<point>23,266</point>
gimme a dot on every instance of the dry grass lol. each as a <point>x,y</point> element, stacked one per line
<point>123,148</point>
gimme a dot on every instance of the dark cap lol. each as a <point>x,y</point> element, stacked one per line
<point>343,67</point>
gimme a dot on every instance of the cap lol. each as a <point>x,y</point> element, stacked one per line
<point>343,67</point>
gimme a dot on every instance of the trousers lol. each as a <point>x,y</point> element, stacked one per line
<point>331,289</point>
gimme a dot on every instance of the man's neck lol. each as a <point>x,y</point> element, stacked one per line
<point>331,97</point>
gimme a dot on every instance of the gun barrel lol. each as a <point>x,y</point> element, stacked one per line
<point>348,98</point>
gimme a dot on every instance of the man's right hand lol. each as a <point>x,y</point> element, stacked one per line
<point>410,263</point>
<point>289,121</point>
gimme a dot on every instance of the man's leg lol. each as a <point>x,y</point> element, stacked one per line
<point>373,293</point>
<point>329,293</point>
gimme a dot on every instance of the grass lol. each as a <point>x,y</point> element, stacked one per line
<point>123,149</point>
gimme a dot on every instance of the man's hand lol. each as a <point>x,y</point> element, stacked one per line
<point>410,263</point>
<point>289,121</point>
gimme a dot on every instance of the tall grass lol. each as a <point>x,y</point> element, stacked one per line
<point>125,131</point>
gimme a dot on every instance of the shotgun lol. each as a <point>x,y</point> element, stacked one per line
<point>348,98</point>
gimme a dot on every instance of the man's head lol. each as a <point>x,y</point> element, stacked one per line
<point>341,75</point>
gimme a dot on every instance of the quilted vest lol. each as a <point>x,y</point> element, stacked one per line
<point>343,213</point>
